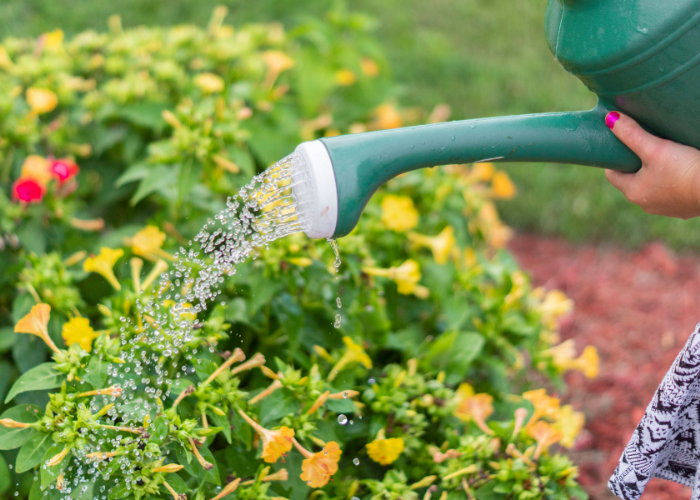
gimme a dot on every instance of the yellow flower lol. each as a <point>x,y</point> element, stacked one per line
<point>477,407</point>
<point>79,331</point>
<point>483,171</point>
<point>441,245</point>
<point>545,435</point>
<point>53,40</point>
<point>36,167</point>
<point>569,424</point>
<point>353,354</point>
<point>369,67</point>
<point>275,443</point>
<point>398,213</point>
<point>502,187</point>
<point>554,306</point>
<point>41,100</point>
<point>545,406</point>
<point>385,451</point>
<point>564,358</point>
<point>588,362</point>
<point>301,261</point>
<point>406,277</point>
<point>5,60</point>
<point>36,323</point>
<point>277,61</point>
<point>318,468</point>
<point>386,116</point>
<point>209,82</point>
<point>147,243</point>
<point>519,287</point>
<point>345,77</point>
<point>496,233</point>
<point>103,264</point>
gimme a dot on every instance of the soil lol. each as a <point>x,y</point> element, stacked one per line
<point>638,308</point>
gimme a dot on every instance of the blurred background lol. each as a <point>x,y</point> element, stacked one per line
<point>633,276</point>
<point>482,58</point>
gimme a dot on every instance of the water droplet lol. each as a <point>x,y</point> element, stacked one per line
<point>371,381</point>
<point>356,461</point>
<point>345,394</point>
<point>337,321</point>
<point>337,301</point>
<point>342,419</point>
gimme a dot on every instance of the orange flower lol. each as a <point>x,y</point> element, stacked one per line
<point>41,100</point>
<point>545,406</point>
<point>275,443</point>
<point>317,468</point>
<point>386,117</point>
<point>545,435</point>
<point>502,187</point>
<point>472,406</point>
<point>36,322</point>
<point>36,167</point>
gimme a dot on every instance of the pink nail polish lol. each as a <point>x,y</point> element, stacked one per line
<point>611,118</point>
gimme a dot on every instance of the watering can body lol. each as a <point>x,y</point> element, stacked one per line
<point>639,56</point>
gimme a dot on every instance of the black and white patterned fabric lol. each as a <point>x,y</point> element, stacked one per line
<point>666,443</point>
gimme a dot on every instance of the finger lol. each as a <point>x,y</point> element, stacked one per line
<point>633,136</point>
<point>620,180</point>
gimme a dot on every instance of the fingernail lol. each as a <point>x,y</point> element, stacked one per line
<point>611,118</point>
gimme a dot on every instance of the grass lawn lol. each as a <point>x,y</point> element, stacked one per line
<point>483,58</point>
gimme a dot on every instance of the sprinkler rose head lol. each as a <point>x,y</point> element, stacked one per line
<point>315,190</point>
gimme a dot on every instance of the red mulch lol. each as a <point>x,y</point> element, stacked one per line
<point>638,309</point>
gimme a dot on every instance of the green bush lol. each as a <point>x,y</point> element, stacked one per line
<point>405,367</point>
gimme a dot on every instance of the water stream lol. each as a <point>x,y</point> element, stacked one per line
<point>159,350</point>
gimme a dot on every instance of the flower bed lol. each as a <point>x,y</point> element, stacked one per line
<point>411,370</point>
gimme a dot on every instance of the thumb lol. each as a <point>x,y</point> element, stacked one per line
<point>633,135</point>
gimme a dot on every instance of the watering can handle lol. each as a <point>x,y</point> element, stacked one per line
<point>363,162</point>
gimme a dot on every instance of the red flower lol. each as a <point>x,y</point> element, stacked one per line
<point>27,190</point>
<point>63,169</point>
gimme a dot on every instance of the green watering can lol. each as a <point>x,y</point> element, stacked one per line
<point>638,56</point>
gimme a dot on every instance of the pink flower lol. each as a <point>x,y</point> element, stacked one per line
<point>27,190</point>
<point>63,169</point>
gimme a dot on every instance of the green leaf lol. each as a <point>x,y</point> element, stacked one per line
<point>32,236</point>
<point>146,114</point>
<point>43,376</point>
<point>49,475</point>
<point>190,173</point>
<point>453,352</point>
<point>341,405</point>
<point>176,483</point>
<point>96,373</point>
<point>14,438</point>
<point>28,352</point>
<point>222,421</point>
<point>5,477</point>
<point>195,468</point>
<point>158,178</point>
<point>279,404</point>
<point>36,493</point>
<point>241,460</point>
<point>135,172</point>
<point>33,450</point>
<point>159,430</point>
<point>241,430</point>
<point>7,338</point>
<point>5,374</point>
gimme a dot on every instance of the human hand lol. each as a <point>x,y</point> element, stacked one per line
<point>668,182</point>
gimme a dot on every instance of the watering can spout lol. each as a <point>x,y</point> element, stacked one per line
<point>341,173</point>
